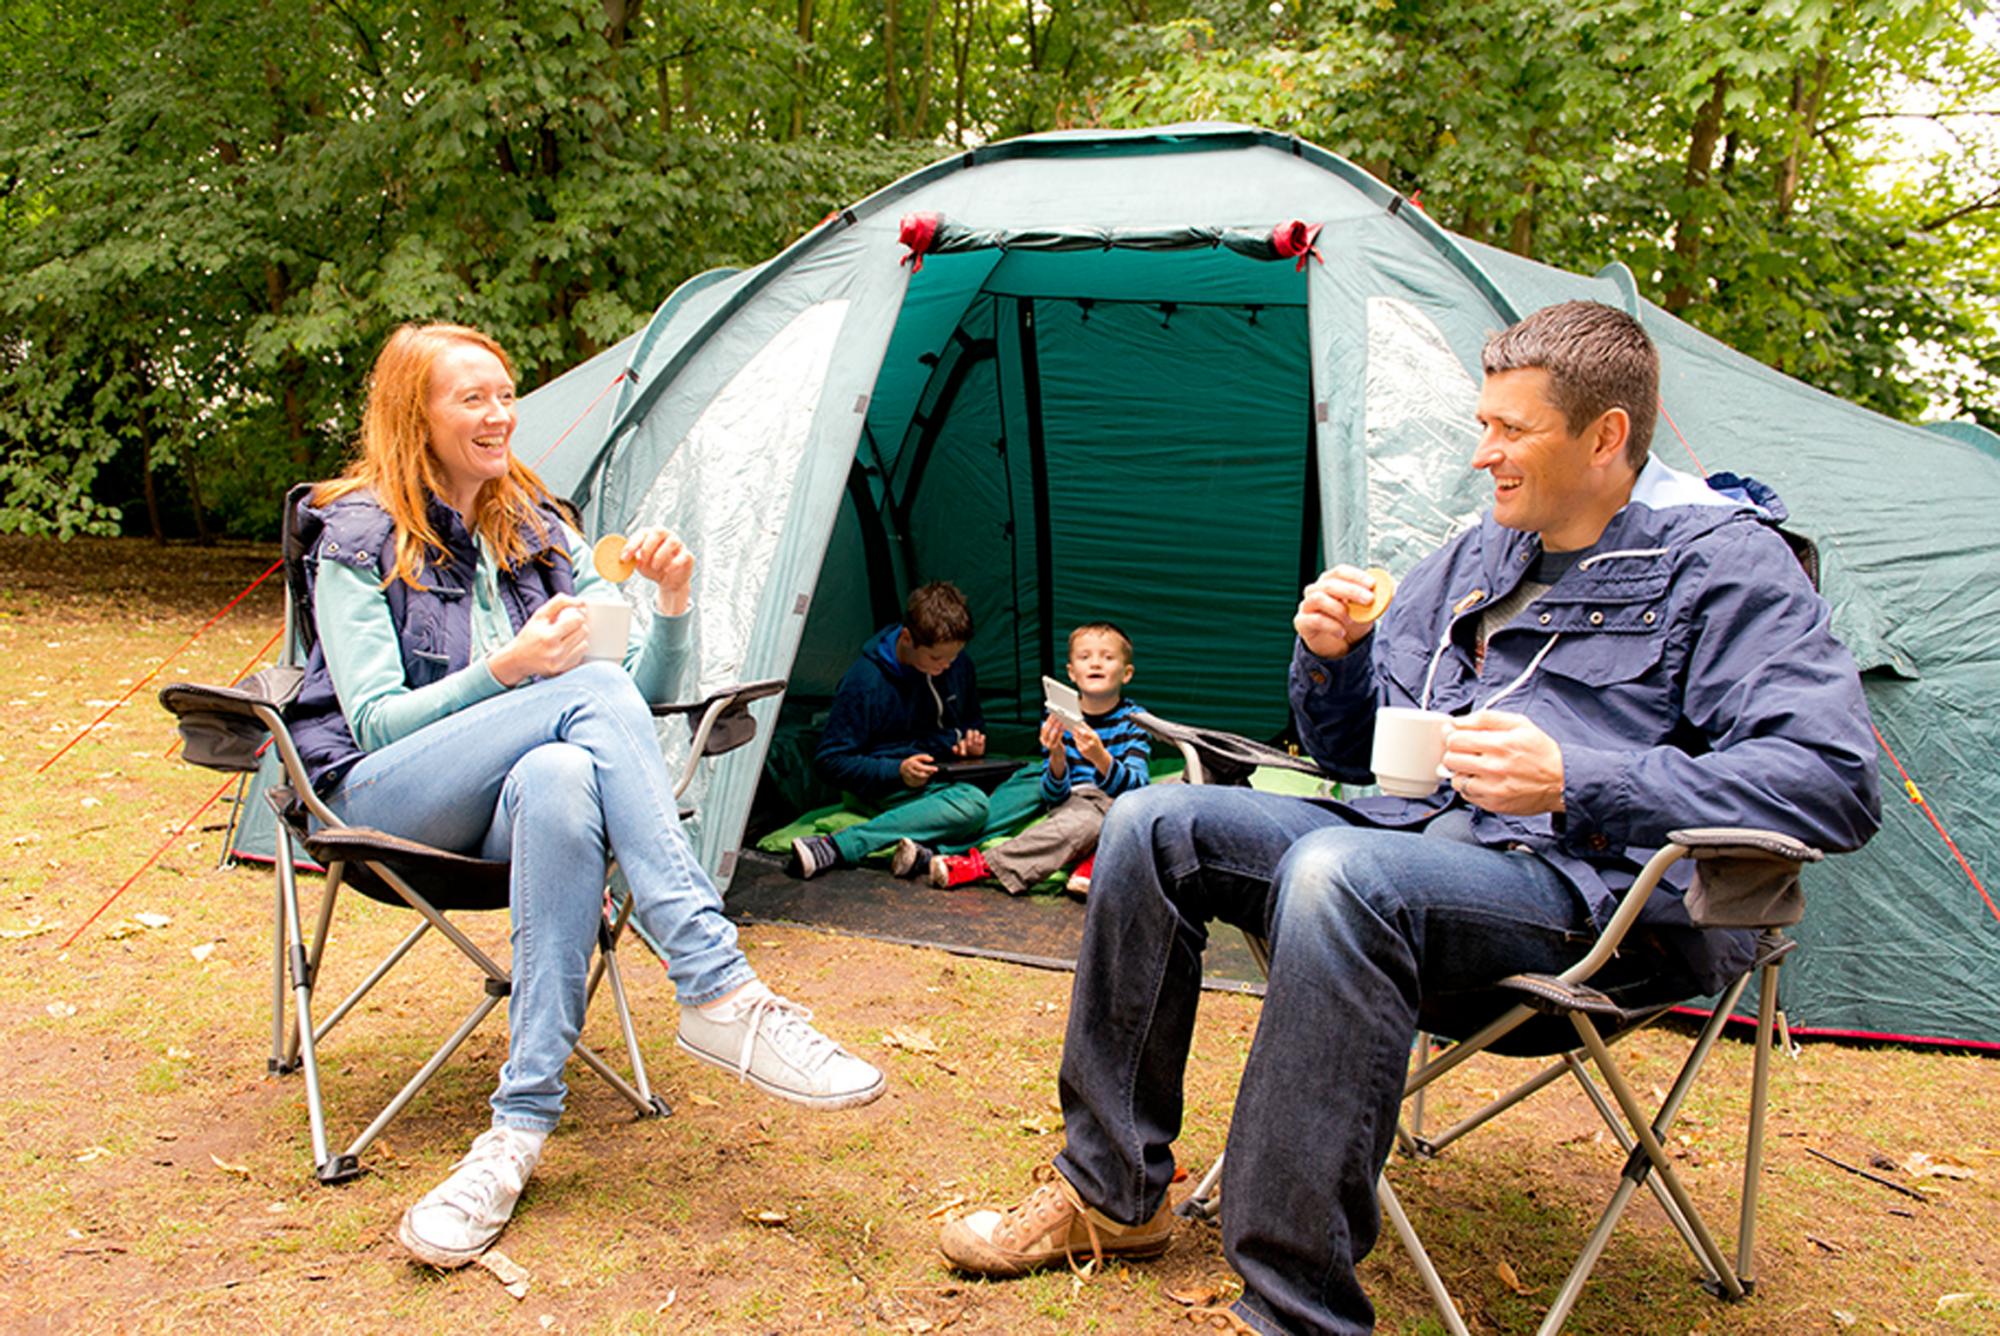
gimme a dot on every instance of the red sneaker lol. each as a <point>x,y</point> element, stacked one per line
<point>949,870</point>
<point>1079,877</point>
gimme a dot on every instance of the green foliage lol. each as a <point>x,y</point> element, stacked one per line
<point>212,211</point>
<point>1724,149</point>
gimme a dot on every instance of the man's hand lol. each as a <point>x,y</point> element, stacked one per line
<point>1052,743</point>
<point>917,770</point>
<point>970,743</point>
<point>1325,621</point>
<point>551,642</point>
<point>1504,763</point>
<point>662,558</point>
<point>1091,747</point>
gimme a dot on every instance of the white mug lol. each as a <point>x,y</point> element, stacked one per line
<point>1409,750</point>
<point>610,627</point>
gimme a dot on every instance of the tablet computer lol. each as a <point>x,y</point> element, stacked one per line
<point>988,772</point>
<point>1062,701</point>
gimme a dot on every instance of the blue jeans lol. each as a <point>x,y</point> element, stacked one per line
<point>555,777</point>
<point>1371,931</point>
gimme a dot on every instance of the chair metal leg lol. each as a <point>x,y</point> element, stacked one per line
<point>302,986</point>
<point>494,993</point>
<point>1650,1143</point>
<point>1419,1258</point>
<point>1432,1146</point>
<point>1204,1203</point>
<point>1753,1151</point>
<point>279,1054</point>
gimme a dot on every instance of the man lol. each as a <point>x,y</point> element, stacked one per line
<point>1662,661</point>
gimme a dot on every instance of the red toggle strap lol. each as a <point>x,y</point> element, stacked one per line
<point>1297,238</point>
<point>919,233</point>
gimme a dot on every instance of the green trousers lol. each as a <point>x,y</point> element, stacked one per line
<point>952,817</point>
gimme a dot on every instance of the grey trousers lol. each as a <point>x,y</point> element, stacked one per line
<point>1067,835</point>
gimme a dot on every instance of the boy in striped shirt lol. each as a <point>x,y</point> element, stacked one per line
<point>1083,769</point>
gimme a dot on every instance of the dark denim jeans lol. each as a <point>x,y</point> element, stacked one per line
<point>1371,932</point>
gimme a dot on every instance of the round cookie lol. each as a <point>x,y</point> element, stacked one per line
<point>1385,589</point>
<point>608,557</point>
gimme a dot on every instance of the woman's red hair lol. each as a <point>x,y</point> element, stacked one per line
<point>396,463</point>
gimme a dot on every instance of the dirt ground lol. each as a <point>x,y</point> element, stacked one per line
<point>157,1178</point>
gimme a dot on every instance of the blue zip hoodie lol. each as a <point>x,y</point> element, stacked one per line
<point>883,712</point>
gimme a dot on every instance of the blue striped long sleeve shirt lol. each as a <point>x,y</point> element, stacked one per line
<point>1128,744</point>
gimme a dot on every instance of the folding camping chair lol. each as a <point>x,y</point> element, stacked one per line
<point>227,728</point>
<point>1744,878</point>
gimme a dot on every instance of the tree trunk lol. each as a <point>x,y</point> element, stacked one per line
<point>1707,133</point>
<point>961,58</point>
<point>664,83</point>
<point>193,472</point>
<point>1806,99</point>
<point>805,34</point>
<point>920,115</point>
<point>892,92</point>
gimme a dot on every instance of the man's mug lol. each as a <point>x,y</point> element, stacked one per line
<point>1409,750</point>
<point>610,625</point>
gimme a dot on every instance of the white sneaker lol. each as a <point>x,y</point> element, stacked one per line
<point>459,1218</point>
<point>771,1044</point>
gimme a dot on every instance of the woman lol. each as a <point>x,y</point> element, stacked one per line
<point>449,701</point>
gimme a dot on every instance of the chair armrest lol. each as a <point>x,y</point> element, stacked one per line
<point>223,728</point>
<point>721,722</point>
<point>1216,757</point>
<point>1745,877</point>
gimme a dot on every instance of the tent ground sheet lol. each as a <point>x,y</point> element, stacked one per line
<point>1039,930</point>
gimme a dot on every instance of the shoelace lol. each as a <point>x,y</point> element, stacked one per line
<point>791,1034</point>
<point>1035,1210</point>
<point>476,1180</point>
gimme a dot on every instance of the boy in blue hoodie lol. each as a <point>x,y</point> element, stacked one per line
<point>908,702</point>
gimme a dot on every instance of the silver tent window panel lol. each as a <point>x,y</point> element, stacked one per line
<point>1420,435</point>
<point>727,488</point>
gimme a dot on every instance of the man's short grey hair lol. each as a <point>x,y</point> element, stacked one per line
<point>1598,358</point>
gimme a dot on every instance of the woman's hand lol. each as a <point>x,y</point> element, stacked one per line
<point>551,643</point>
<point>662,558</point>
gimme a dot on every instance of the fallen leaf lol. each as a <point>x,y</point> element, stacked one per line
<point>240,1170</point>
<point>62,1009</point>
<point>178,1055</point>
<point>510,1273</point>
<point>89,1153</point>
<point>148,919</point>
<point>202,952</point>
<point>703,1102</point>
<point>1195,1298</point>
<point>1950,1301</point>
<point>1510,1279</point>
<point>120,930</point>
<point>1920,1165</point>
<point>34,927</point>
<point>1035,1125</point>
<point>939,1210</point>
<point>769,1219</point>
<point>1844,1318</point>
<point>93,802</point>
<point>667,1302</point>
<point>547,1320</point>
<point>910,1039</point>
<point>1825,1245</point>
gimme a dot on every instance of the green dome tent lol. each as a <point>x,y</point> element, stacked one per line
<point>1095,374</point>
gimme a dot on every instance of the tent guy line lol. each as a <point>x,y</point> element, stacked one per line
<point>244,593</point>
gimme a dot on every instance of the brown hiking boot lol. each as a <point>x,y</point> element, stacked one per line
<point>1053,1225</point>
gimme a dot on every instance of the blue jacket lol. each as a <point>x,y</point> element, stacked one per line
<point>1685,666</point>
<point>883,712</point>
<point>1129,745</point>
<point>433,624</point>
